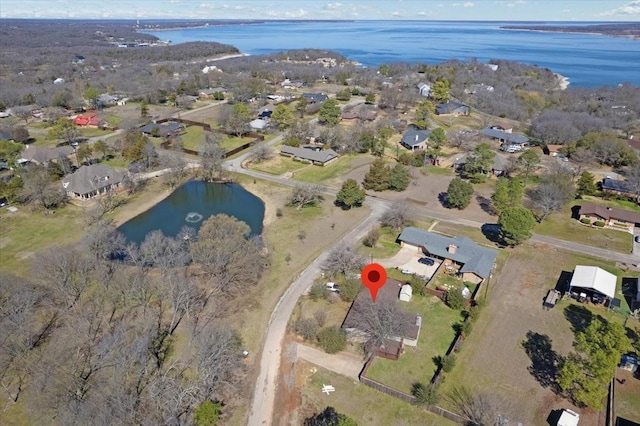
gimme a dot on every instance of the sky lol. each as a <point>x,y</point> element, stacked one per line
<point>506,10</point>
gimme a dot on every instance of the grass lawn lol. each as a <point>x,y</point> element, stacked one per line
<point>306,308</point>
<point>192,137</point>
<point>277,165</point>
<point>437,170</point>
<point>385,247</point>
<point>363,404</point>
<point>116,161</point>
<point>561,225</point>
<point>92,132</point>
<point>417,364</point>
<point>319,174</point>
<point>453,230</point>
<point>627,396</point>
<point>113,120</point>
<point>231,142</point>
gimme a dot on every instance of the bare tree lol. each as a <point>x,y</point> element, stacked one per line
<point>379,321</point>
<point>218,362</point>
<point>342,260</point>
<point>163,252</point>
<point>581,159</point>
<point>553,192</point>
<point>211,156</point>
<point>399,215</point>
<point>39,187</point>
<point>261,153</point>
<point>305,195</point>
<point>482,407</point>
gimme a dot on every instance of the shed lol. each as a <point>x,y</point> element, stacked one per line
<point>595,279</point>
<point>568,418</point>
<point>258,124</point>
<point>405,293</point>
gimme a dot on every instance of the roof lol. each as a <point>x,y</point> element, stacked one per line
<point>554,148</point>
<point>321,156</point>
<point>164,128</point>
<point>568,418</point>
<point>616,185</point>
<point>258,123</point>
<point>473,257</point>
<point>500,162</point>
<point>610,212</point>
<point>414,136</point>
<point>594,278</point>
<point>388,293</point>
<point>449,107</point>
<point>315,97</point>
<point>507,137</point>
<point>88,179</point>
<point>43,154</point>
<point>86,120</point>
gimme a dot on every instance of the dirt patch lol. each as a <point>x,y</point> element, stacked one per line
<point>287,394</point>
<point>4,242</point>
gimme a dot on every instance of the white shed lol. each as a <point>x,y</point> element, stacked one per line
<point>258,124</point>
<point>405,293</point>
<point>594,278</point>
<point>568,418</point>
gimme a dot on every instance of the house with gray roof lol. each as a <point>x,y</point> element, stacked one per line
<point>315,98</point>
<point>163,129</point>
<point>43,155</point>
<point>90,181</point>
<point>311,154</point>
<point>414,139</point>
<point>505,137</point>
<point>476,262</point>
<point>452,108</point>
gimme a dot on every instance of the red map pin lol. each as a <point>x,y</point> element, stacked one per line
<point>373,277</point>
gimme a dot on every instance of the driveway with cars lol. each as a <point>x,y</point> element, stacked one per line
<point>414,266</point>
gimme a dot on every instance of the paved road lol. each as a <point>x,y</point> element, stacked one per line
<point>342,363</point>
<point>264,393</point>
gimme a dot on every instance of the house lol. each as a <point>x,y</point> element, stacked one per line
<point>424,89</point>
<point>504,137</point>
<point>90,181</point>
<point>614,217</point>
<point>107,100</point>
<point>122,101</point>
<point>594,280</point>
<point>617,187</point>
<point>502,127</point>
<point>87,120</point>
<point>389,293</point>
<point>553,150</point>
<point>210,93</point>
<point>292,84</point>
<point>414,139</point>
<point>501,165</point>
<point>476,262</point>
<point>314,155</point>
<point>43,155</point>
<point>315,98</point>
<point>452,108</point>
<point>165,129</point>
<point>266,111</point>
<point>258,124</point>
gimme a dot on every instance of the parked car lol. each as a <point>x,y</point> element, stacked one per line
<point>426,261</point>
<point>637,238</point>
<point>333,287</point>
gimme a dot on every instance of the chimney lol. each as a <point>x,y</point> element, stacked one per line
<point>416,138</point>
<point>452,248</point>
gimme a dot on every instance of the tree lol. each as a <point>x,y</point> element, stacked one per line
<point>516,224</point>
<point>144,110</point>
<point>440,90</point>
<point>64,129</point>
<point>481,407</point>
<point>91,95</point>
<point>399,177</point>
<point>459,194</point>
<point>329,113</point>
<point>238,120</point>
<point>332,339</point>
<point>372,237</point>
<point>377,178</point>
<point>329,417</point>
<point>101,147</point>
<point>586,184</point>
<point>454,299</point>
<point>350,195</point>
<point>207,413</point>
<point>38,187</point>
<point>282,116</point>
<point>370,99</point>
<point>342,260</point>
<point>586,373</point>
<point>553,192</point>
<point>425,394</point>
<point>508,193</point>
<point>20,134</point>
<point>399,215</point>
<point>301,106</point>
<point>305,195</point>
<point>344,95</point>
<point>530,162</point>
<point>424,110</point>
<point>379,321</point>
<point>211,156</point>
<point>438,137</point>
<point>479,162</point>
<point>84,153</point>
<point>261,153</point>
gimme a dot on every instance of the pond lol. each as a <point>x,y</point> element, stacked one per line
<point>193,203</point>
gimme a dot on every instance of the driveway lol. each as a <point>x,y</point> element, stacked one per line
<point>403,256</point>
<point>420,269</point>
<point>342,363</point>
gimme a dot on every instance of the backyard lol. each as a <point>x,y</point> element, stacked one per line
<point>385,247</point>
<point>417,364</point>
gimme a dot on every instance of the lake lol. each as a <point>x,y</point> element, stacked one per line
<point>587,60</point>
<point>193,203</point>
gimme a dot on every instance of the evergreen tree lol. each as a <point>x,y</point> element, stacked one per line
<point>516,224</point>
<point>459,193</point>
<point>329,113</point>
<point>350,195</point>
<point>399,177</point>
<point>586,184</point>
<point>529,161</point>
<point>423,111</point>
<point>508,193</point>
<point>377,178</point>
<point>440,90</point>
<point>282,116</point>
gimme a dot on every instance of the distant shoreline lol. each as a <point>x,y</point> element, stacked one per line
<point>573,30</point>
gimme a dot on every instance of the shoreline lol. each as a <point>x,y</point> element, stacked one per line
<point>628,36</point>
<point>563,81</point>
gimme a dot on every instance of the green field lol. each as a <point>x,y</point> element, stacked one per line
<point>385,247</point>
<point>278,165</point>
<point>320,174</point>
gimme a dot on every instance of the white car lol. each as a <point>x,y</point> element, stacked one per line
<point>333,287</point>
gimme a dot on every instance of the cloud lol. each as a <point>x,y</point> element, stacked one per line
<point>466,4</point>
<point>631,8</point>
<point>331,6</point>
<point>288,14</point>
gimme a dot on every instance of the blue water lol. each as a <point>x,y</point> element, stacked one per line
<point>587,60</point>
<point>204,200</point>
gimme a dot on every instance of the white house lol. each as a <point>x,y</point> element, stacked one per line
<point>424,89</point>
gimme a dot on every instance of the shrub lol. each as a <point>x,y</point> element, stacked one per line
<point>599,224</point>
<point>473,313</point>
<point>307,328</point>
<point>318,291</point>
<point>466,327</point>
<point>425,394</point>
<point>349,289</point>
<point>207,413</point>
<point>416,283</point>
<point>585,220</point>
<point>454,299</point>
<point>320,317</point>
<point>448,362</point>
<point>372,237</point>
<point>332,339</point>
<point>279,212</point>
